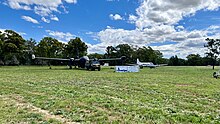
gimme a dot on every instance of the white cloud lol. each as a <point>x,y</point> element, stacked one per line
<point>71,1</point>
<point>30,19</point>
<point>115,17</point>
<point>16,5</point>
<point>156,21</point>
<point>54,18</point>
<point>213,27</point>
<point>186,41</point>
<point>45,20</point>
<point>41,7</point>
<point>20,33</point>
<point>169,12</point>
<point>182,49</point>
<point>61,36</point>
<point>180,28</point>
<point>2,30</point>
<point>132,18</point>
<point>46,3</point>
<point>39,26</point>
<point>44,11</point>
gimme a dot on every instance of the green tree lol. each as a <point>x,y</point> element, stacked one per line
<point>1,43</point>
<point>12,46</point>
<point>111,52</point>
<point>194,60</point>
<point>206,61</point>
<point>175,61</point>
<point>48,47</point>
<point>11,37</point>
<point>96,55</point>
<point>125,50</point>
<point>134,52</point>
<point>1,48</point>
<point>30,47</point>
<point>148,54</point>
<point>182,62</point>
<point>76,48</point>
<point>213,46</point>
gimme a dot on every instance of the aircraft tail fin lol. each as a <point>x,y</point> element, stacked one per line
<point>138,61</point>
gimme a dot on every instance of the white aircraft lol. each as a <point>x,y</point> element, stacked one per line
<point>146,64</point>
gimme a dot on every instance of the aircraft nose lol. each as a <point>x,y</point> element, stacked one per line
<point>123,57</point>
<point>33,56</point>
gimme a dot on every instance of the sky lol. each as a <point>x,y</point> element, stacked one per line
<point>175,27</point>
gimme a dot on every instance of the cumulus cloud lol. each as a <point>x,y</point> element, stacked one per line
<point>2,30</point>
<point>115,17</point>
<point>71,1</point>
<point>30,19</point>
<point>186,42</point>
<point>20,33</point>
<point>157,21</point>
<point>54,18</point>
<point>45,20</point>
<point>40,7</point>
<point>132,18</point>
<point>182,49</point>
<point>61,36</point>
<point>169,12</point>
<point>44,10</point>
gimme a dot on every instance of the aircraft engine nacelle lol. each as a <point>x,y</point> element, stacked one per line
<point>82,61</point>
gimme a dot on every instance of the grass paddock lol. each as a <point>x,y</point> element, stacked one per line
<point>36,94</point>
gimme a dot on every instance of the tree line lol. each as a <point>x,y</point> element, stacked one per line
<point>14,50</point>
<point>211,58</point>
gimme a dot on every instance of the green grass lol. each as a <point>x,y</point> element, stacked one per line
<point>161,95</point>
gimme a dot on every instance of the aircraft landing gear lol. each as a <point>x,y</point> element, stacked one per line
<point>216,75</point>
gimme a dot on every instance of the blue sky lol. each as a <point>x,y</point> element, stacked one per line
<point>174,27</point>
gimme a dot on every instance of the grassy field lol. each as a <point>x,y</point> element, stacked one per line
<point>161,95</point>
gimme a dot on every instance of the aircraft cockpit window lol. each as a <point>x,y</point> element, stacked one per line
<point>95,62</point>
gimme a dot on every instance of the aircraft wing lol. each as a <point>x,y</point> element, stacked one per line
<point>152,66</point>
<point>59,59</point>
<point>112,59</point>
<point>163,64</point>
<point>45,58</point>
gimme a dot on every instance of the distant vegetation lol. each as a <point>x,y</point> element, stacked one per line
<point>14,50</point>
